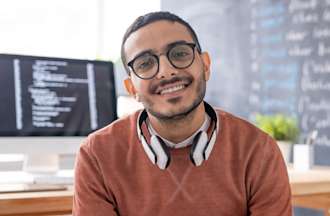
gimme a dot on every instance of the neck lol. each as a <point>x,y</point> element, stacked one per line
<point>177,130</point>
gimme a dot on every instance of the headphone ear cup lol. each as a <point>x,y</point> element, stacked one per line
<point>198,147</point>
<point>163,156</point>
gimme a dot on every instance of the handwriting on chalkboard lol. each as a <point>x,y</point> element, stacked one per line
<point>290,66</point>
<point>296,35</point>
<point>320,67</point>
<point>281,49</point>
<point>297,5</point>
<point>320,33</point>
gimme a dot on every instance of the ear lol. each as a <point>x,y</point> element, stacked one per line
<point>206,64</point>
<point>129,86</point>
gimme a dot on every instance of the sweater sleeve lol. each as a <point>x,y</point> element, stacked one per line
<point>270,192</point>
<point>91,197</point>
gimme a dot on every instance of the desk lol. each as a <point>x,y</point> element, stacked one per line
<point>311,189</point>
<point>36,203</point>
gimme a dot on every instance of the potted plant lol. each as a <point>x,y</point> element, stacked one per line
<point>283,128</point>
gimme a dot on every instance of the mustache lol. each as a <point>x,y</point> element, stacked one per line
<point>153,87</point>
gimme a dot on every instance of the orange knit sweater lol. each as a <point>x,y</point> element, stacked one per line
<point>244,175</point>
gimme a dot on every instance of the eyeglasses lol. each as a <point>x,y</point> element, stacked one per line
<point>180,55</point>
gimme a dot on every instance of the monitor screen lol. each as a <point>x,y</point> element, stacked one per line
<point>42,96</point>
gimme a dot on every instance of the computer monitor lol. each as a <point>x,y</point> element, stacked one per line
<point>49,105</point>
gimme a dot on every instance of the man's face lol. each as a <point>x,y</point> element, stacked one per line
<point>172,92</point>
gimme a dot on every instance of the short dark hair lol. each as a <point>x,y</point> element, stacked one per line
<point>150,18</point>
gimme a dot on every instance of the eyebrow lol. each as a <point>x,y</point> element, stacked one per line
<point>167,47</point>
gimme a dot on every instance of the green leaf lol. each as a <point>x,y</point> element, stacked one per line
<point>279,126</point>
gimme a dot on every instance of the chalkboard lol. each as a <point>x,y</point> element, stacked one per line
<point>268,56</point>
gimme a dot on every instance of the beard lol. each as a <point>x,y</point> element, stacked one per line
<point>184,111</point>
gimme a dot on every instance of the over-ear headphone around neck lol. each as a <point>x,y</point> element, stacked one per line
<point>159,153</point>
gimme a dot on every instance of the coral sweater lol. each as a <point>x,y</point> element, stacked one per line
<point>244,175</point>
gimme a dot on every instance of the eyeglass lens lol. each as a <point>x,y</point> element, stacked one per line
<point>180,56</point>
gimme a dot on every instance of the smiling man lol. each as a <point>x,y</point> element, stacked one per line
<point>178,156</point>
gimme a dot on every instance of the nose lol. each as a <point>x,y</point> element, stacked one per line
<point>166,69</point>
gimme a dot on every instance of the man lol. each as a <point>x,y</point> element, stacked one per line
<point>179,156</point>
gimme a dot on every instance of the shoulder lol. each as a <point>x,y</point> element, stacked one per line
<point>243,134</point>
<point>233,123</point>
<point>246,144</point>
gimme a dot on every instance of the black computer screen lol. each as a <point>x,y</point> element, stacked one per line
<point>42,96</point>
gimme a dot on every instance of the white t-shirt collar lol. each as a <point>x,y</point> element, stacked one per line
<point>185,142</point>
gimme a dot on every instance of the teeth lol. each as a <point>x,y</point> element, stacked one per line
<point>172,89</point>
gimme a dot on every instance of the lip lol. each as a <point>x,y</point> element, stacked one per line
<point>172,85</point>
<point>174,94</point>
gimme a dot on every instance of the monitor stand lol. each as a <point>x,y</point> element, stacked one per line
<point>41,164</point>
<point>44,169</point>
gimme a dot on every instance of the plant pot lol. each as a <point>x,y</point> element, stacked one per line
<point>285,147</point>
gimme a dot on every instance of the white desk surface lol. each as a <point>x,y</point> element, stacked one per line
<point>20,177</point>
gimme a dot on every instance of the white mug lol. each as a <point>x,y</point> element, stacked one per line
<point>303,157</point>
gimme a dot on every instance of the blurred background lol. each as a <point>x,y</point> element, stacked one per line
<point>270,65</point>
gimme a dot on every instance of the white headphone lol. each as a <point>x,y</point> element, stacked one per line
<point>159,153</point>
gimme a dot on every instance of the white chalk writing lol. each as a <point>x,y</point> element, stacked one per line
<point>296,5</point>
<point>315,67</point>
<point>296,35</point>
<point>323,140</point>
<point>305,17</point>
<point>300,51</point>
<point>321,32</point>
<point>309,85</point>
<point>323,49</point>
<point>326,15</point>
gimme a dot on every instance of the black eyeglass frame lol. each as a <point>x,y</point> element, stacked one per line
<point>192,45</point>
